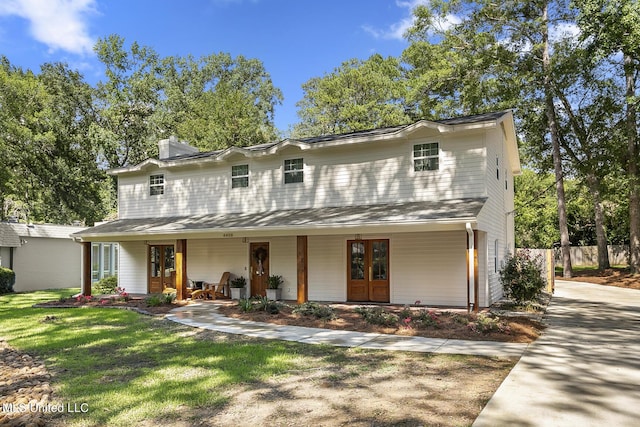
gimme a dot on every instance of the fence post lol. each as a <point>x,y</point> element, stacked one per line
<point>551,270</point>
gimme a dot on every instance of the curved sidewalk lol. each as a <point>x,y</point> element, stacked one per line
<point>205,316</point>
<point>583,371</point>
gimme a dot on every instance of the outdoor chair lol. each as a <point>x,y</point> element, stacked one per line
<point>218,290</point>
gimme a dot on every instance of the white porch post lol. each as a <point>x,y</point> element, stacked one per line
<point>471,270</point>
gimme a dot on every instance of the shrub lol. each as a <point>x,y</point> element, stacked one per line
<point>7,280</point>
<point>265,304</point>
<point>522,278</point>
<point>319,311</point>
<point>245,304</point>
<point>154,300</point>
<point>427,318</point>
<point>485,323</point>
<point>106,285</point>
<point>377,316</point>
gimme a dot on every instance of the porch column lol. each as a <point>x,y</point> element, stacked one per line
<point>303,270</point>
<point>472,269</point>
<point>181,269</point>
<point>86,268</point>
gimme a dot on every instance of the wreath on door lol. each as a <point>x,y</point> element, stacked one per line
<point>260,255</point>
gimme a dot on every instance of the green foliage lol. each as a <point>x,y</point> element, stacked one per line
<point>238,282</point>
<point>377,316</point>
<point>358,95</point>
<point>245,304</point>
<point>154,300</point>
<point>485,323</point>
<point>521,277</point>
<point>262,303</point>
<point>274,282</point>
<point>107,285</point>
<point>319,311</point>
<point>7,280</point>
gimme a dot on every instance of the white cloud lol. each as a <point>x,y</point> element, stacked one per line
<point>60,24</point>
<point>397,30</point>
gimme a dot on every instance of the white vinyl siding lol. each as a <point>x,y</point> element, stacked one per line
<point>429,267</point>
<point>132,274</point>
<point>327,268</point>
<point>383,175</point>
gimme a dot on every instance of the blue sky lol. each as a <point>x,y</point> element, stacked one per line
<point>295,39</point>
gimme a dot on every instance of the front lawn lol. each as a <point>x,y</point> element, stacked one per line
<point>134,369</point>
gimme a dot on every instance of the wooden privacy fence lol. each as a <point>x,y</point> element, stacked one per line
<point>586,256</point>
<point>545,259</point>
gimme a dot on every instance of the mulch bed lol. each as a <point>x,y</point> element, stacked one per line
<point>136,304</point>
<point>618,277</point>
<point>453,324</point>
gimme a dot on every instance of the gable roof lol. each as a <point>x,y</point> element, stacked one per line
<point>11,233</point>
<point>477,121</point>
<point>8,237</point>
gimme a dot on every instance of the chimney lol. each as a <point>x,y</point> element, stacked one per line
<point>172,147</point>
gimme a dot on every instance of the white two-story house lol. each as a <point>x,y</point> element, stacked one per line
<point>421,212</point>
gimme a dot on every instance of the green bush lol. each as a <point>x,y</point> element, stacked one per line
<point>154,300</point>
<point>377,316</point>
<point>522,278</point>
<point>7,280</point>
<point>319,311</point>
<point>107,285</point>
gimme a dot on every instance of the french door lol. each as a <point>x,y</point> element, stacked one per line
<point>368,270</point>
<point>162,269</point>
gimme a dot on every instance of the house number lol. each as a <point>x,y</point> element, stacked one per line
<point>227,235</point>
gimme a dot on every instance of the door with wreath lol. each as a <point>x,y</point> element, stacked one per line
<point>259,252</point>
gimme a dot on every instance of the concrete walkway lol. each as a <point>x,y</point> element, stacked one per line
<point>204,315</point>
<point>583,371</point>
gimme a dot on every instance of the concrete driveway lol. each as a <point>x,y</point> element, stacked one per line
<point>583,371</point>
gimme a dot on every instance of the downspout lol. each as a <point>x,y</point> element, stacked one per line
<point>471,268</point>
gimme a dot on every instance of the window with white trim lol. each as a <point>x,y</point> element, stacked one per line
<point>239,176</point>
<point>293,171</point>
<point>156,185</point>
<point>426,157</point>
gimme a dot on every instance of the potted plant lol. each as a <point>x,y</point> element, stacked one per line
<point>237,286</point>
<point>273,287</point>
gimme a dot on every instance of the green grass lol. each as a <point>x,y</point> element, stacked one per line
<point>128,367</point>
<point>132,369</point>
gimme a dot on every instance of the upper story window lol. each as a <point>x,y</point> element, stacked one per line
<point>239,176</point>
<point>156,185</point>
<point>293,171</point>
<point>426,157</point>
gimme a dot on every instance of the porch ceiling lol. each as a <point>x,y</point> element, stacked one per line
<point>388,217</point>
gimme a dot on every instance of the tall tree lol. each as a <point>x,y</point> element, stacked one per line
<point>49,170</point>
<point>612,28</point>
<point>495,42</point>
<point>217,101</point>
<point>126,102</point>
<point>358,95</point>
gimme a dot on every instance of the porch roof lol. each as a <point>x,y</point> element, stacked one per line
<point>388,217</point>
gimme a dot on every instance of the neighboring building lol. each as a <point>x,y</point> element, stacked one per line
<point>416,212</point>
<point>43,256</point>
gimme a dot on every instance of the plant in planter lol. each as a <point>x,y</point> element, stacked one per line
<point>273,287</point>
<point>238,288</point>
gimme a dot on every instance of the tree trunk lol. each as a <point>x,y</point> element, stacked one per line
<point>565,244</point>
<point>601,234</point>
<point>632,167</point>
